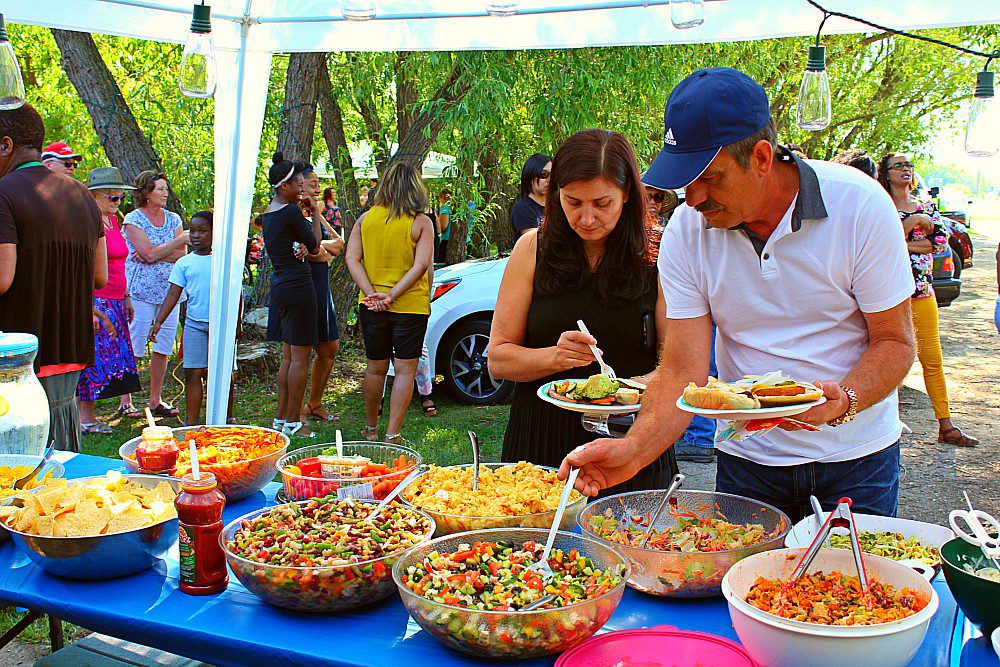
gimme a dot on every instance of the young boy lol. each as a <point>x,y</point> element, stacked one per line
<point>192,274</point>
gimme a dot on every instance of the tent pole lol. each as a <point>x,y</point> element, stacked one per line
<point>240,101</point>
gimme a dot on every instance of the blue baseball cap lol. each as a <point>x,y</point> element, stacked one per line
<point>709,109</point>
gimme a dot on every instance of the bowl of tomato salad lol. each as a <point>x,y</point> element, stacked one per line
<point>468,590</point>
<point>322,555</point>
<point>381,465</point>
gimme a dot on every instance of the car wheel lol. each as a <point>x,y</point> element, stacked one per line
<point>464,365</point>
<point>956,258</point>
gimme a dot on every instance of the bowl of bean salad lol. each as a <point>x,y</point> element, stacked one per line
<point>322,555</point>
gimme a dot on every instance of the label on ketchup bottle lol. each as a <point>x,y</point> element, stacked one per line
<point>185,544</point>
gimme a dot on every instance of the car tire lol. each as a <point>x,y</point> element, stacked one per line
<point>462,360</point>
<point>956,258</point>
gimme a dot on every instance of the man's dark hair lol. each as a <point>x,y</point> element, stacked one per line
<point>24,127</point>
<point>533,168</point>
<point>742,150</point>
<point>859,159</point>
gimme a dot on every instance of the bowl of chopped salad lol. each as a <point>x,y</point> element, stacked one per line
<point>697,538</point>
<point>241,457</point>
<point>826,619</point>
<point>370,469</point>
<point>469,591</point>
<point>974,582</point>
<point>321,555</point>
<point>510,495</point>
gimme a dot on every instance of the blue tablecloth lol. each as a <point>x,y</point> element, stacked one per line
<point>236,628</point>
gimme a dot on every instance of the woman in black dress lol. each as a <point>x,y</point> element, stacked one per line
<point>292,309</point>
<point>589,261</point>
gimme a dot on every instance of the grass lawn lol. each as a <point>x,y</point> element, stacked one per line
<point>442,439</point>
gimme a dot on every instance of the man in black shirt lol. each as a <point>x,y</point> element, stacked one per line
<point>528,211</point>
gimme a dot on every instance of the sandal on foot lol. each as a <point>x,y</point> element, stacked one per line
<point>321,413</point>
<point>295,428</point>
<point>95,427</point>
<point>165,410</point>
<point>397,439</point>
<point>960,440</point>
<point>128,411</point>
<point>428,405</point>
<point>370,433</point>
<point>278,424</point>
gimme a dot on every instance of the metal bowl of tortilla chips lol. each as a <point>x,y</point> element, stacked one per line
<point>102,527</point>
<point>15,466</point>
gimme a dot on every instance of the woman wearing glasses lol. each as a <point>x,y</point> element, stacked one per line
<point>113,372</point>
<point>528,211</point>
<point>925,237</point>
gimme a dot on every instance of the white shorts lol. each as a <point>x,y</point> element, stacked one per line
<point>138,328</point>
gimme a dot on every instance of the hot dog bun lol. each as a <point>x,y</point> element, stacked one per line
<point>718,395</point>
<point>792,393</point>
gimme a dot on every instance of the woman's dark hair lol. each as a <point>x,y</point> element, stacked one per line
<point>24,126</point>
<point>328,194</point>
<point>304,168</point>
<point>533,168</point>
<point>859,159</point>
<point>883,172</point>
<point>280,169</point>
<point>626,269</point>
<point>145,183</point>
<point>207,216</point>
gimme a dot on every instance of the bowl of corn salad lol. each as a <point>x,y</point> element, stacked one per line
<point>322,555</point>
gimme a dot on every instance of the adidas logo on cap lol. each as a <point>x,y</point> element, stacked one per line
<point>668,138</point>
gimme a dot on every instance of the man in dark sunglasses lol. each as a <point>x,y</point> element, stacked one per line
<point>60,158</point>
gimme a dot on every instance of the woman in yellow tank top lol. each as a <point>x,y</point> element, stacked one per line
<point>388,254</point>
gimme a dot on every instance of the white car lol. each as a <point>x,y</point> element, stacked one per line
<point>462,301</point>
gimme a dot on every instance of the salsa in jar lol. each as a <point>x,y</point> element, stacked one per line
<point>157,450</point>
<point>199,513</point>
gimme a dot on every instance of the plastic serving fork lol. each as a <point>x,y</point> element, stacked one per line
<point>977,521</point>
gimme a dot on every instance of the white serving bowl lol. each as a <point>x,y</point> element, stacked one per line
<point>779,642</point>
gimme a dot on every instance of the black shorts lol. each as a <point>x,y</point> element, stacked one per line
<point>392,335</point>
<point>292,313</point>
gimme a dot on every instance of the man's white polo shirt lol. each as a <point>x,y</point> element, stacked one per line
<point>798,305</point>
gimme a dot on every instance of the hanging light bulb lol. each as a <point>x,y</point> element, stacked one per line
<point>501,7</point>
<point>359,10</point>
<point>814,110</point>
<point>982,135</point>
<point>686,14</point>
<point>198,65</point>
<point>11,83</point>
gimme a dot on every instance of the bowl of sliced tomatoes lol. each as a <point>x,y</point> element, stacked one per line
<point>363,470</point>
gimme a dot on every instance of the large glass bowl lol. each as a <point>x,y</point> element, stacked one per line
<point>236,480</point>
<point>301,487</point>
<point>513,635</point>
<point>448,524</point>
<point>686,574</point>
<point>313,589</point>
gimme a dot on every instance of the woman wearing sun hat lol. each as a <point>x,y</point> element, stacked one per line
<point>114,372</point>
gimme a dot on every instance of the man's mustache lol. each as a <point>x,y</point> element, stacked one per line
<point>709,205</point>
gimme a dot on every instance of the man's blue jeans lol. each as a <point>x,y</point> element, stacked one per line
<point>701,431</point>
<point>871,482</point>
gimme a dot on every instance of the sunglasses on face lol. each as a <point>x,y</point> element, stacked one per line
<point>114,199</point>
<point>70,164</point>
<point>656,197</point>
<point>544,176</point>
<point>900,166</point>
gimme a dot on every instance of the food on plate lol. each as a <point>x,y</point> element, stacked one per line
<point>718,395</point>
<point>597,390</point>
<point>11,474</point>
<point>318,476</point>
<point>516,489</point>
<point>692,533</point>
<point>494,576</point>
<point>894,546</point>
<point>100,506</point>
<point>328,532</point>
<point>834,599</point>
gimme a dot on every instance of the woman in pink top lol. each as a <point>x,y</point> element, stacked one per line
<point>113,372</point>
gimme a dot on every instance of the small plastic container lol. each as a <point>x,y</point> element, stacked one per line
<point>199,512</point>
<point>24,408</point>
<point>157,450</point>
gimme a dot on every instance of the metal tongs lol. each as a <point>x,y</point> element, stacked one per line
<point>840,517</point>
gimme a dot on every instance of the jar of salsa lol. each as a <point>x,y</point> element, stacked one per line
<point>157,450</point>
<point>199,513</point>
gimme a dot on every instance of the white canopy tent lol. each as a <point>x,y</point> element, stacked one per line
<point>248,32</point>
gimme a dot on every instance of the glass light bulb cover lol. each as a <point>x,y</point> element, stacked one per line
<point>686,14</point>
<point>501,7</point>
<point>199,68</point>
<point>359,10</point>
<point>11,83</point>
<point>982,132</point>
<point>814,110</point>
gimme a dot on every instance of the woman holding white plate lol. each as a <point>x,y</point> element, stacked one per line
<point>590,260</point>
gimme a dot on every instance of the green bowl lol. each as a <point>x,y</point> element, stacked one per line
<point>977,597</point>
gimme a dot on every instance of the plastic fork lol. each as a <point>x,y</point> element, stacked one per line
<point>395,492</point>
<point>977,521</point>
<point>605,369</point>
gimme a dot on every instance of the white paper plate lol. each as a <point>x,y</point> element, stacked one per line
<point>583,407</point>
<point>759,413</point>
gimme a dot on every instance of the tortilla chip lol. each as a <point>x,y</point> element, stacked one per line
<point>165,492</point>
<point>27,517</point>
<point>50,501</point>
<point>45,526</point>
<point>127,521</point>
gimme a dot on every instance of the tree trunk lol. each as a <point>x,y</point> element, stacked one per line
<point>406,97</point>
<point>298,122</point>
<point>117,129</point>
<point>498,195</point>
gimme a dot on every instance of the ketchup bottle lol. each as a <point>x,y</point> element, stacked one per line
<point>199,512</point>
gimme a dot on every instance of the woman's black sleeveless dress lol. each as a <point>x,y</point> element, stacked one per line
<point>542,433</point>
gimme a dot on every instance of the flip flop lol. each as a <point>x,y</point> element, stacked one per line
<point>370,433</point>
<point>429,410</point>
<point>293,428</point>
<point>962,440</point>
<point>128,411</point>
<point>95,427</point>
<point>320,413</point>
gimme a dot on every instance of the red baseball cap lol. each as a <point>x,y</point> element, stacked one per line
<point>59,150</point>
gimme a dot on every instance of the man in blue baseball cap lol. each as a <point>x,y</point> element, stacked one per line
<point>803,267</point>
